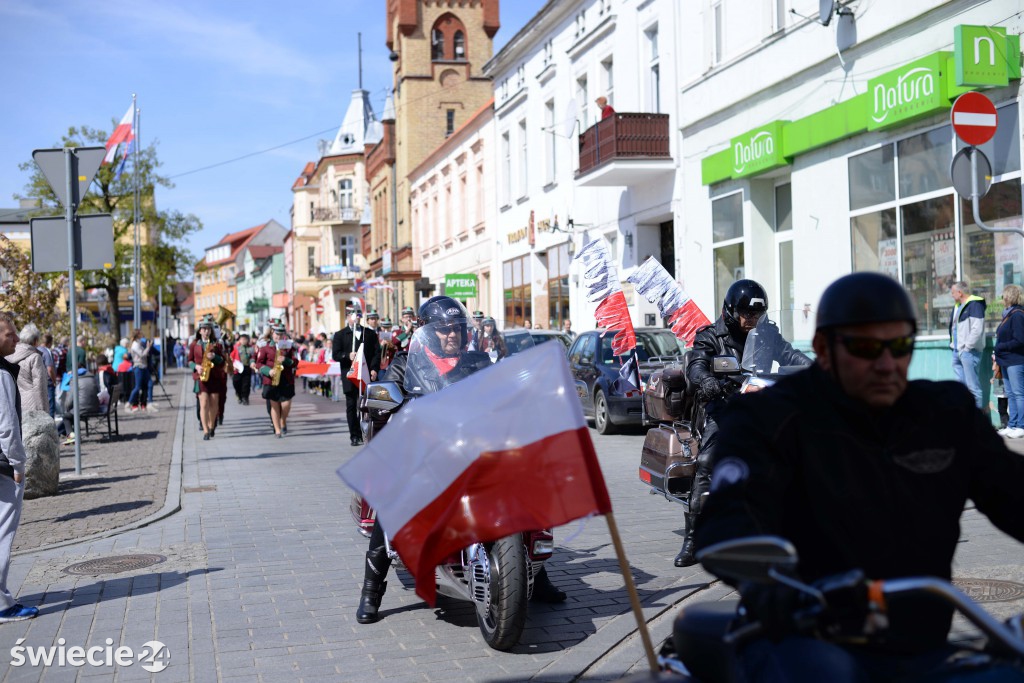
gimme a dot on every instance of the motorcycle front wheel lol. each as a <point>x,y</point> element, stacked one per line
<point>503,615</point>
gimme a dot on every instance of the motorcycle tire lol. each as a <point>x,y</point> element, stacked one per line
<point>602,417</point>
<point>501,622</point>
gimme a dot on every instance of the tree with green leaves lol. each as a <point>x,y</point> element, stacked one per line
<point>163,256</point>
<point>31,297</point>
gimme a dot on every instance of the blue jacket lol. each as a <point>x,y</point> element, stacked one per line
<point>970,325</point>
<point>1010,338</point>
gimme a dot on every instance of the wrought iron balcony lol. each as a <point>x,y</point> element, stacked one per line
<point>624,149</point>
<point>336,271</point>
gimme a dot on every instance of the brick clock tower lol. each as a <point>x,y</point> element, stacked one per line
<point>439,48</point>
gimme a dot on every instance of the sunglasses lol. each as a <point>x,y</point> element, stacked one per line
<point>869,348</point>
<point>446,329</point>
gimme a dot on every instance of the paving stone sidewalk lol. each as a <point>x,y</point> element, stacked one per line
<point>124,479</point>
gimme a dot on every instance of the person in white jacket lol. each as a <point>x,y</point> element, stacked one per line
<point>12,468</point>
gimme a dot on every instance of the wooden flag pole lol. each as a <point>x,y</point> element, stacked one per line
<point>634,598</point>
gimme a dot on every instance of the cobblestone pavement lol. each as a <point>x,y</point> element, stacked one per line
<point>123,479</point>
<point>258,575</point>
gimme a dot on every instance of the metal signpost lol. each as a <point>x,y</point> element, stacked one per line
<point>70,181</point>
<point>975,121</point>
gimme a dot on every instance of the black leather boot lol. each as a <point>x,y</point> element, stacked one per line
<point>686,558</point>
<point>374,585</point>
<point>544,590</point>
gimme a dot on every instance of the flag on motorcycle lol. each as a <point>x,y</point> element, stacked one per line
<point>503,451</point>
<point>601,279</point>
<point>679,311</point>
<point>626,384</point>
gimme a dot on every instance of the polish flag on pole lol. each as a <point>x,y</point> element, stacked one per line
<point>359,374</point>
<point>467,477</point>
<point>124,132</point>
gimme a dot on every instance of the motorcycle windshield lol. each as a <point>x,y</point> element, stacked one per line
<point>767,351</point>
<point>440,355</point>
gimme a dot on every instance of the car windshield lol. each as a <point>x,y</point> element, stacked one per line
<point>648,345</point>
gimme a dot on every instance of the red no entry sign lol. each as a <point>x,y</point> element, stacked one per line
<point>974,118</point>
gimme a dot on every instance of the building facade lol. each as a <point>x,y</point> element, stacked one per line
<point>438,48</point>
<point>256,285</point>
<point>452,206</point>
<point>810,151</point>
<point>328,201</point>
<point>568,173</point>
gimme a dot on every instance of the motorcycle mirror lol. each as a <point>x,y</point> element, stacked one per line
<point>725,365</point>
<point>383,395</point>
<point>752,558</point>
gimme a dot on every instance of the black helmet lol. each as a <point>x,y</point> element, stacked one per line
<point>861,298</point>
<point>744,296</point>
<point>443,310</point>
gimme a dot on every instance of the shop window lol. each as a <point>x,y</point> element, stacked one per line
<point>558,286</point>
<point>727,233</point>
<point>906,222</point>
<point>783,208</point>
<point>518,294</point>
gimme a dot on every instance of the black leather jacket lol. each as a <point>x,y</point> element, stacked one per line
<point>716,340</point>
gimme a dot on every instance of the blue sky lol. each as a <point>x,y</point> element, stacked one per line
<point>215,81</point>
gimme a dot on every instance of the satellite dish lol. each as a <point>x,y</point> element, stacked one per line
<point>825,10</point>
<point>569,120</point>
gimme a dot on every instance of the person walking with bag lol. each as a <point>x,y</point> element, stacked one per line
<point>1009,355</point>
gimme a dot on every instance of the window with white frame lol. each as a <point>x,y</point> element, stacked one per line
<point>653,70</point>
<point>523,159</point>
<point>345,193</point>
<point>727,238</point>
<point>906,221</point>
<point>780,14</point>
<point>608,79</point>
<point>346,250</point>
<point>582,98</point>
<point>549,142</point>
<point>717,31</point>
<point>506,169</point>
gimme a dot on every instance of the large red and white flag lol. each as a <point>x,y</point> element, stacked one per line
<point>601,281</point>
<point>503,451</point>
<point>124,132</point>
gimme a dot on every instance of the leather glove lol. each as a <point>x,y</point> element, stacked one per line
<point>774,605</point>
<point>710,389</point>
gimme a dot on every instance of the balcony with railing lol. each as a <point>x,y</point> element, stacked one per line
<point>335,214</point>
<point>336,272</point>
<point>625,149</point>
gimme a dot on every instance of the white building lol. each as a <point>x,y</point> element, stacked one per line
<point>811,151</point>
<point>565,176</point>
<point>452,206</point>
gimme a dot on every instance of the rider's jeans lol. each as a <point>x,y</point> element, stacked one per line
<point>798,660</point>
<point>965,366</point>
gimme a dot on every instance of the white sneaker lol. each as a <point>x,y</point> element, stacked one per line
<point>1015,433</point>
<point>1004,431</point>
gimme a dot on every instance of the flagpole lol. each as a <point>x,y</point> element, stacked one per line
<point>634,598</point>
<point>137,288</point>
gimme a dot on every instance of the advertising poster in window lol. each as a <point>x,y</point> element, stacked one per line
<point>889,258</point>
<point>1008,260</point>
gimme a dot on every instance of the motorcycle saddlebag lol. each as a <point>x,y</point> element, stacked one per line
<point>669,458</point>
<point>666,394</point>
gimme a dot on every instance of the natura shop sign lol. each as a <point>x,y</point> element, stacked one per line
<point>460,286</point>
<point>907,93</point>
<point>758,150</point>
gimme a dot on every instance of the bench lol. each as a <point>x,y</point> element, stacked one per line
<point>111,409</point>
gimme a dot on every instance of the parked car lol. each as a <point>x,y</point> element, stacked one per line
<point>516,338</point>
<point>595,369</point>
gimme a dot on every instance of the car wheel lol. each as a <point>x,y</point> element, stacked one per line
<point>602,419</point>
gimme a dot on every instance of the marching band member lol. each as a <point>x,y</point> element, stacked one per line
<point>276,363</point>
<point>387,343</point>
<point>206,359</point>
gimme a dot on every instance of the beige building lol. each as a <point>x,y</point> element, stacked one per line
<point>326,261</point>
<point>439,48</point>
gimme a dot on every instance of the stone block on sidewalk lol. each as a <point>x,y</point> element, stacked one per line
<point>42,454</point>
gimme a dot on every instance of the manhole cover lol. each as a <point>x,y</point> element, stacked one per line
<point>990,590</point>
<point>115,564</point>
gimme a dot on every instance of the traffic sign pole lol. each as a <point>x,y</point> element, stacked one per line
<point>70,168</point>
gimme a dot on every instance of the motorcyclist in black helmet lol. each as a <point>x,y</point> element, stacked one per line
<point>442,334</point>
<point>861,469</point>
<point>744,304</point>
